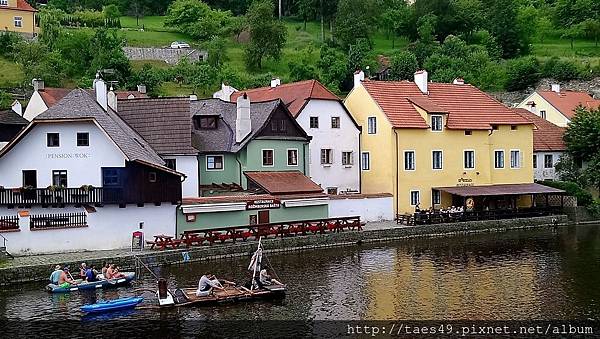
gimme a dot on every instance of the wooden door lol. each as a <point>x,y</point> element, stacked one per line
<point>263,217</point>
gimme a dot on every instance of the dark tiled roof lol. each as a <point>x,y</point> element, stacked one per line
<point>124,95</point>
<point>222,139</point>
<point>80,105</point>
<point>163,122</point>
<point>283,182</point>
<point>502,189</point>
<point>546,136</point>
<point>9,117</point>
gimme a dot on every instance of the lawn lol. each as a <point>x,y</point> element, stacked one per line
<point>11,74</point>
<point>584,51</point>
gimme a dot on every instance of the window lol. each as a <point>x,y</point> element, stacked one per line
<point>171,163</point>
<point>495,127</point>
<point>436,161</point>
<point>332,190</point>
<point>314,122</point>
<point>436,123</point>
<point>267,157</point>
<point>535,161</point>
<point>515,159</point>
<point>498,159</point>
<point>436,197</point>
<point>468,132</point>
<point>372,125</point>
<point>110,177</point>
<point>513,127</point>
<point>59,178</point>
<point>208,123</point>
<point>543,114</point>
<point>469,159</point>
<point>83,139</point>
<point>548,160</point>
<point>335,122</point>
<point>278,126</point>
<point>18,21</point>
<point>53,139</point>
<point>409,160</point>
<point>326,156</point>
<point>292,157</point>
<point>152,176</point>
<point>414,198</point>
<point>347,158</point>
<point>214,162</point>
<point>365,161</point>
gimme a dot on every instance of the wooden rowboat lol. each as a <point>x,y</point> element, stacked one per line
<point>230,294</point>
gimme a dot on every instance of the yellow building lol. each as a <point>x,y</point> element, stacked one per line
<point>18,16</point>
<point>438,145</point>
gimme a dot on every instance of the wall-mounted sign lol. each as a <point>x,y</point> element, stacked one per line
<point>263,204</point>
<point>68,155</point>
<point>464,182</point>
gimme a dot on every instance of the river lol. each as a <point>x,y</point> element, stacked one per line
<point>525,274</point>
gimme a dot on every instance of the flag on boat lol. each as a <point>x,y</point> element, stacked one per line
<point>256,258</point>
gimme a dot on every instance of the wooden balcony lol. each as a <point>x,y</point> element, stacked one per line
<point>50,196</point>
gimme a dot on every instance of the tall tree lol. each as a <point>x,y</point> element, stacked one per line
<point>307,10</point>
<point>353,21</point>
<point>583,142</point>
<point>502,23</point>
<point>396,19</point>
<point>267,34</point>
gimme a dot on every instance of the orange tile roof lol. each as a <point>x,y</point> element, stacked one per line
<point>295,95</point>
<point>52,95</point>
<point>247,197</point>
<point>546,136</point>
<point>467,106</point>
<point>566,101</point>
<point>24,6</point>
<point>283,182</point>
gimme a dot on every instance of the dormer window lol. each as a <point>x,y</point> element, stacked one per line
<point>437,123</point>
<point>207,122</point>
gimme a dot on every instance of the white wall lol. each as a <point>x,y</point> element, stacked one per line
<point>542,173</point>
<point>345,138</point>
<point>83,164</point>
<point>35,106</point>
<point>188,165</point>
<point>110,227</point>
<point>368,208</point>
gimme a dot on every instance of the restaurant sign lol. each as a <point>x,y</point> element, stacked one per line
<point>263,204</point>
<point>465,182</point>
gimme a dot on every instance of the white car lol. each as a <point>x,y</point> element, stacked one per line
<point>179,44</point>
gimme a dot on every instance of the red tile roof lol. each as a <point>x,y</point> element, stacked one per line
<point>284,182</point>
<point>24,6</point>
<point>247,197</point>
<point>467,106</point>
<point>546,136</point>
<point>53,95</point>
<point>567,101</point>
<point>295,95</point>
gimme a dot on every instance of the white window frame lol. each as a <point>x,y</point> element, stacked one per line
<point>414,160</point>
<point>339,122</point>
<point>262,157</point>
<point>331,157</point>
<point>503,159</point>
<point>362,162</point>
<point>465,159</point>
<point>214,156</point>
<point>77,138</point>
<point>543,114</point>
<point>431,118</point>
<point>18,19</point>
<point>374,125</point>
<point>433,195</point>
<point>310,122</point>
<point>518,162</point>
<point>441,160</point>
<point>288,157</point>
<point>351,159</point>
<point>551,157</point>
<point>410,197</point>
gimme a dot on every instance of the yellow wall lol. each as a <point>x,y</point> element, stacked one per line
<point>552,114</point>
<point>7,20</point>
<point>381,177</point>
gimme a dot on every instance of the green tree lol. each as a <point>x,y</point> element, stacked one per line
<point>353,21</point>
<point>5,100</point>
<point>217,51</point>
<point>50,27</point>
<point>107,53</point>
<point>267,34</point>
<point>403,65</point>
<point>39,62</point>
<point>333,65</point>
<point>196,18</point>
<point>573,32</point>
<point>502,22</point>
<point>521,73</point>
<point>302,67</point>
<point>396,20</point>
<point>307,9</point>
<point>204,78</point>
<point>582,138</point>
<point>8,42</point>
<point>591,29</point>
<point>111,12</point>
<point>544,28</point>
<point>148,76</point>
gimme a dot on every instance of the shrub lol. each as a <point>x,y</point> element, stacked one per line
<point>8,41</point>
<point>560,69</point>
<point>521,73</point>
<point>584,198</point>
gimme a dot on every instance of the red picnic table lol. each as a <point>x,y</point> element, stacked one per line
<point>163,241</point>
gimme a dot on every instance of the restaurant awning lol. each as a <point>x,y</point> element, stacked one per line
<point>496,190</point>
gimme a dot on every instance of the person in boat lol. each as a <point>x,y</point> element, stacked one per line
<point>105,266</point>
<point>265,279</point>
<point>110,272</point>
<point>82,270</point>
<point>117,273</point>
<point>65,280</point>
<point>91,274</point>
<point>207,283</point>
<point>55,275</point>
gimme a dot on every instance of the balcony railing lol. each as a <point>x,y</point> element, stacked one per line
<point>50,196</point>
<point>57,220</point>
<point>9,223</point>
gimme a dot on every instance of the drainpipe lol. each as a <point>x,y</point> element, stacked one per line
<point>304,157</point>
<point>397,197</point>
<point>237,159</point>
<point>360,188</point>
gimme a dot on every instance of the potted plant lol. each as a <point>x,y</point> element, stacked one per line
<point>87,188</point>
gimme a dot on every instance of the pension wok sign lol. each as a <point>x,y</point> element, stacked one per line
<point>261,204</point>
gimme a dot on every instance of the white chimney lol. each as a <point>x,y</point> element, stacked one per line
<point>17,107</point>
<point>421,80</point>
<point>225,92</point>
<point>243,124</point>
<point>141,88</point>
<point>459,81</point>
<point>193,97</point>
<point>101,93</point>
<point>359,76</point>
<point>38,84</point>
<point>555,88</point>
<point>275,82</point>
<point>112,99</point>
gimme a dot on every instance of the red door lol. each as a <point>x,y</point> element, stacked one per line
<point>263,217</point>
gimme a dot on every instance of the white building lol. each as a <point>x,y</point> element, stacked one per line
<point>334,148</point>
<point>79,178</point>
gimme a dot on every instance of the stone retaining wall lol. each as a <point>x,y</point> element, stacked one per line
<point>168,55</point>
<point>41,272</point>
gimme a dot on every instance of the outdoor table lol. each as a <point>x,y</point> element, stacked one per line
<point>190,238</point>
<point>164,241</point>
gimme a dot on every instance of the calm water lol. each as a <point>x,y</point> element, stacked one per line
<point>514,275</point>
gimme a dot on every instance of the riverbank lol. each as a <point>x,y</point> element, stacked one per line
<point>38,267</point>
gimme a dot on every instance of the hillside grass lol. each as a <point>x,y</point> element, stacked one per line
<point>11,74</point>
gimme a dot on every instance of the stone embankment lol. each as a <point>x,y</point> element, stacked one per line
<point>37,268</point>
<point>168,55</point>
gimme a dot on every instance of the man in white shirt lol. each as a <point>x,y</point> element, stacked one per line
<point>206,284</point>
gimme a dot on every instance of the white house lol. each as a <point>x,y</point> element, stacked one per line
<point>78,177</point>
<point>334,148</point>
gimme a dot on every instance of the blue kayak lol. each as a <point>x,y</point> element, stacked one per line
<point>112,305</point>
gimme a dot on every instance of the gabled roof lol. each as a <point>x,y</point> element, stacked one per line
<point>10,117</point>
<point>283,182</point>
<point>164,123</point>
<point>52,95</point>
<point>567,101</point>
<point>295,95</point>
<point>467,106</point>
<point>22,5</point>
<point>546,136</point>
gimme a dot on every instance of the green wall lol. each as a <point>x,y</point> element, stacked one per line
<point>229,174</point>
<point>241,218</point>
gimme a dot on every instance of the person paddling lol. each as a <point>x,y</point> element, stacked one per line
<point>55,275</point>
<point>64,281</point>
<point>207,283</point>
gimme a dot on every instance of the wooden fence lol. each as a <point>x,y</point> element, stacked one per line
<point>9,223</point>
<point>57,220</point>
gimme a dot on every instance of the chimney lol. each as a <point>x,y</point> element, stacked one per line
<point>101,93</point>
<point>421,80</point>
<point>193,97</point>
<point>359,76</point>
<point>38,85</point>
<point>141,88</point>
<point>275,82</point>
<point>459,81</point>
<point>556,88</point>
<point>112,99</point>
<point>243,124</point>
<point>17,107</point>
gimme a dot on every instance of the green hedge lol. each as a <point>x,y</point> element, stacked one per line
<point>584,198</point>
